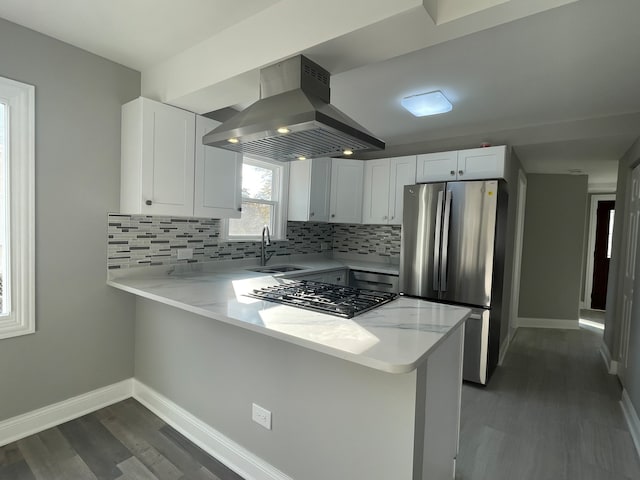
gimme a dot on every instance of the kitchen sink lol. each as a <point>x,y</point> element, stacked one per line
<point>276,269</point>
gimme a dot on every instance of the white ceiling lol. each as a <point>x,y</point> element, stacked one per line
<point>557,79</point>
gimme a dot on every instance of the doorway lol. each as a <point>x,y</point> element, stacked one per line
<point>599,251</point>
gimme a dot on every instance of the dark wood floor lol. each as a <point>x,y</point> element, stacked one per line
<point>122,442</point>
<point>550,412</point>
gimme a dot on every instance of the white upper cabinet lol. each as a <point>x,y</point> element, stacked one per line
<point>166,170</point>
<point>218,177</point>
<point>346,190</point>
<point>437,167</point>
<point>157,159</point>
<point>482,163</point>
<point>309,190</point>
<point>473,164</point>
<point>384,182</point>
<point>403,172</point>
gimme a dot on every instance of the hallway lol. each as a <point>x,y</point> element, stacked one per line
<point>551,412</point>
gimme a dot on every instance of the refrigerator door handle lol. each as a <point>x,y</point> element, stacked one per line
<point>445,242</point>
<point>436,246</point>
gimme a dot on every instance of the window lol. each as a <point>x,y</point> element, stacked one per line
<point>263,200</point>
<point>17,209</point>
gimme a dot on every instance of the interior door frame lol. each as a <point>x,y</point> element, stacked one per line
<point>591,245</point>
<point>517,253</point>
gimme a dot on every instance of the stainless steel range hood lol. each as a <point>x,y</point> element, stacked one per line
<point>294,98</point>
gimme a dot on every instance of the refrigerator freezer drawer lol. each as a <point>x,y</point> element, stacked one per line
<point>476,347</point>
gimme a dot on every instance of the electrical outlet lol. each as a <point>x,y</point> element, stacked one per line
<point>261,416</point>
<point>381,249</point>
<point>324,246</point>
<point>185,253</point>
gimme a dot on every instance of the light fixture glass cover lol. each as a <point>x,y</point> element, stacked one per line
<point>431,103</point>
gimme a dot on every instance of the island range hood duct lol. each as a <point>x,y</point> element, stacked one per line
<point>293,118</point>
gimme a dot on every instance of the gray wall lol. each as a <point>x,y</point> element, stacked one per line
<point>555,217</point>
<point>84,337</point>
<point>331,418</point>
<point>613,314</point>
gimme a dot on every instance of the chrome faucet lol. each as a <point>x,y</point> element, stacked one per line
<point>264,258</point>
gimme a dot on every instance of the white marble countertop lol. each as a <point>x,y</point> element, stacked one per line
<point>396,337</point>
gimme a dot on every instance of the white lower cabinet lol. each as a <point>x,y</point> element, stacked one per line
<point>346,190</point>
<point>218,177</point>
<point>166,170</point>
<point>384,182</point>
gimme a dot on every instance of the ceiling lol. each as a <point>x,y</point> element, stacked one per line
<point>557,80</point>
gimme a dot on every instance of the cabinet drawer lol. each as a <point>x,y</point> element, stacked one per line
<point>380,282</point>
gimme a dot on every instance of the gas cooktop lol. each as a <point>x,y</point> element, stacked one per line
<point>337,300</point>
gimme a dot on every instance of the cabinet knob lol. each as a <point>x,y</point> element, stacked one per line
<point>392,218</point>
<point>453,172</point>
<point>148,202</point>
<point>311,214</point>
<point>239,209</point>
<point>384,218</point>
<point>333,215</point>
<point>460,172</point>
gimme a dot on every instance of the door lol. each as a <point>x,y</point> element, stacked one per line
<point>480,163</point>
<point>437,167</point>
<point>602,253</point>
<point>630,268</point>
<point>469,228</point>
<point>421,237</point>
<point>402,172</point>
<point>168,159</point>
<point>218,179</point>
<point>346,190</point>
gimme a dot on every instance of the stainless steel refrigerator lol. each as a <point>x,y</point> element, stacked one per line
<point>453,237</point>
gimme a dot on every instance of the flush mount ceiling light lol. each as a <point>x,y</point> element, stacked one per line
<point>283,130</point>
<point>423,104</point>
<point>347,151</point>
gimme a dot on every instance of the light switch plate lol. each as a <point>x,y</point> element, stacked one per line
<point>261,416</point>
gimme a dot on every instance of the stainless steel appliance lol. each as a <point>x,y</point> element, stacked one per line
<point>452,251</point>
<point>380,282</point>
<point>293,118</point>
<point>337,300</point>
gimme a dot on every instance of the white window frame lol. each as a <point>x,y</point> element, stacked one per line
<point>281,187</point>
<point>19,99</point>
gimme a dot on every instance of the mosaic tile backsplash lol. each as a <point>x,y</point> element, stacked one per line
<point>140,240</point>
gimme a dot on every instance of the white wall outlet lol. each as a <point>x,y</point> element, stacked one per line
<point>381,249</point>
<point>261,416</point>
<point>185,253</point>
<point>324,246</point>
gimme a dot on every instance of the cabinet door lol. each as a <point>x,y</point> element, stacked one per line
<point>299,190</point>
<point>320,194</point>
<point>375,200</point>
<point>402,172</point>
<point>336,277</point>
<point>437,167</point>
<point>167,168</point>
<point>346,190</point>
<point>218,177</point>
<point>481,163</point>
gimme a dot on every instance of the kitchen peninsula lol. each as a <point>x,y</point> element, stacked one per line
<point>376,396</point>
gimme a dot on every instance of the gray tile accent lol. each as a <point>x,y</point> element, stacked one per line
<point>140,240</point>
<point>381,240</point>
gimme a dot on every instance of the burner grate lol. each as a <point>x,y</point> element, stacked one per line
<point>337,300</point>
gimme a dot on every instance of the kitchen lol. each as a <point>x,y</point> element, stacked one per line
<point>78,316</point>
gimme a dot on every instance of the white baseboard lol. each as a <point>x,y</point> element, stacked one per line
<point>633,421</point>
<point>612,365</point>
<point>234,456</point>
<point>548,323</point>
<point>38,420</point>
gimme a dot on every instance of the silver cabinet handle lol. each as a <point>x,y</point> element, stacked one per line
<point>436,246</point>
<point>148,202</point>
<point>445,242</point>
<point>460,172</point>
<point>239,209</point>
<point>453,172</point>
